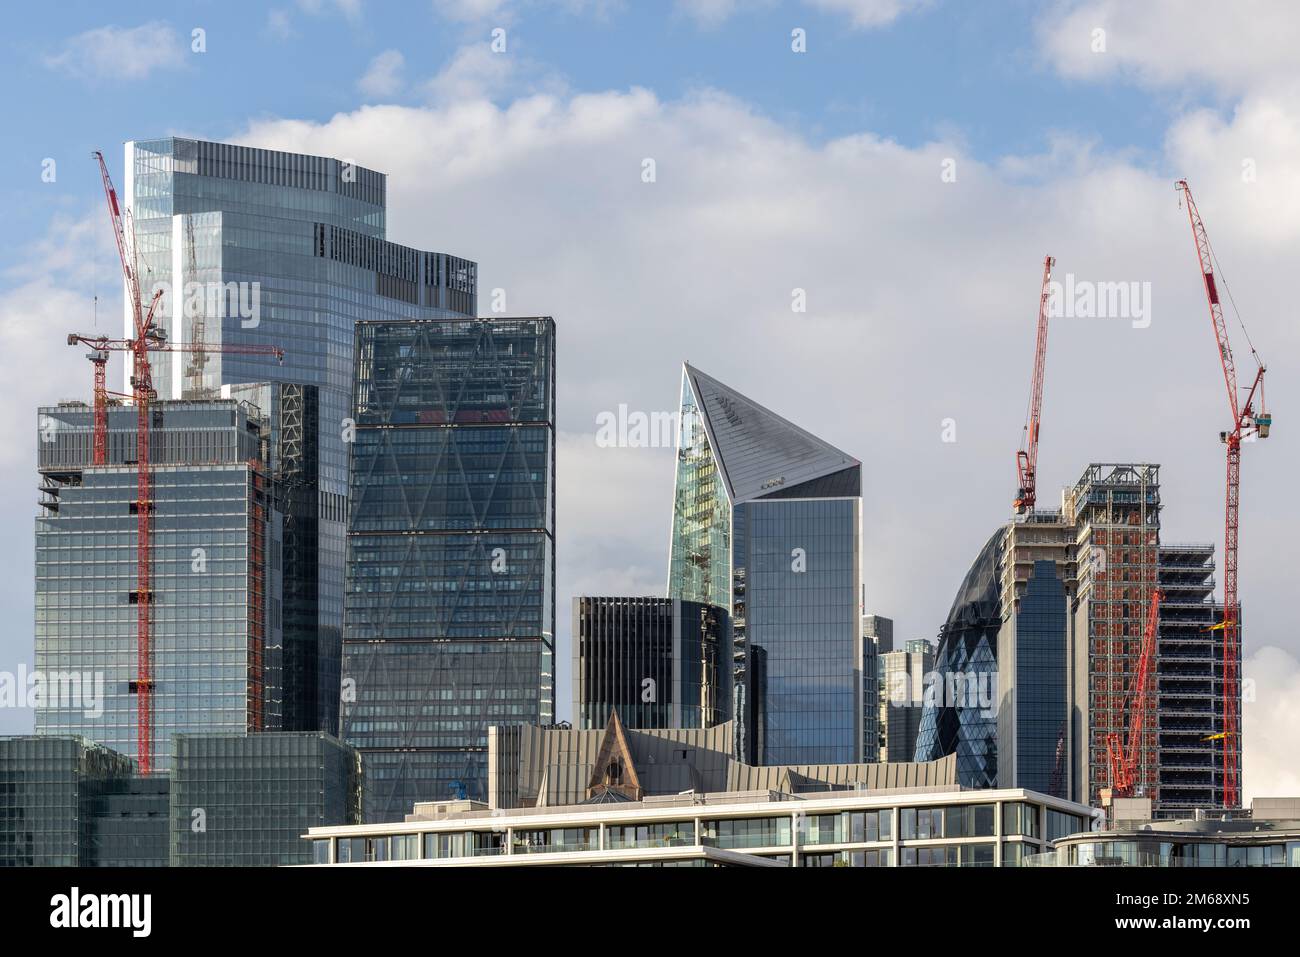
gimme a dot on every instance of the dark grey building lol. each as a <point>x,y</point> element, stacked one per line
<point>877,640</point>
<point>288,250</point>
<point>451,550</point>
<point>216,591</point>
<point>766,523</point>
<point>658,662</point>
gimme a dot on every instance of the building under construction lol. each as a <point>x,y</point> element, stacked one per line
<point>1057,603</point>
<point>1190,683</point>
<point>1115,511</point>
<point>216,590</point>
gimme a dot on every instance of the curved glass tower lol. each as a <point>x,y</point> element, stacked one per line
<point>960,714</point>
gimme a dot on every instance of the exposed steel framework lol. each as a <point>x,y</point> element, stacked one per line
<point>1244,423</point>
<point>147,338</point>
<point>1124,759</point>
<point>1027,457</point>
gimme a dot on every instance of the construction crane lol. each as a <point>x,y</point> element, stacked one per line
<point>1124,760</point>
<point>1027,457</point>
<point>146,338</point>
<point>1245,422</point>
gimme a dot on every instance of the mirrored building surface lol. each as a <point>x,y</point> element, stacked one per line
<point>766,522</point>
<point>260,247</point>
<point>450,616</point>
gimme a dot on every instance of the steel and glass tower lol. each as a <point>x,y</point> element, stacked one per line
<point>766,523</point>
<point>450,617</point>
<point>265,247</point>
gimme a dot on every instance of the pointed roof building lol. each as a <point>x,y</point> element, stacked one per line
<point>762,455</point>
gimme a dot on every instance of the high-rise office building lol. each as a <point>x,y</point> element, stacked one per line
<point>450,617</point>
<point>261,247</point>
<point>216,583</point>
<point>877,640</point>
<point>960,717</point>
<point>766,522</point>
<point>658,662</point>
<point>903,675</point>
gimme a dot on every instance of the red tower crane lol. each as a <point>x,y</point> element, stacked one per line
<point>1244,422</point>
<point>146,338</point>
<point>1124,760</point>
<point>1027,457</point>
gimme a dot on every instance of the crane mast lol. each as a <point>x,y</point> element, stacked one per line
<point>145,339</point>
<point>1244,422</point>
<point>1124,759</point>
<point>1027,457</point>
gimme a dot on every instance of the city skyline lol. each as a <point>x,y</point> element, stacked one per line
<point>923,286</point>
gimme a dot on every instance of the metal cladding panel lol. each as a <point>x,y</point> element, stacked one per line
<point>757,450</point>
<point>555,765</point>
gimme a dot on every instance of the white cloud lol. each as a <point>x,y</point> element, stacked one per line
<point>707,13</point>
<point>279,24</point>
<point>123,53</point>
<point>861,14</point>
<point>869,13</point>
<point>350,9</point>
<point>921,298</point>
<point>474,11</point>
<point>477,72</point>
<point>1167,43</point>
<point>1269,723</point>
<point>384,75</point>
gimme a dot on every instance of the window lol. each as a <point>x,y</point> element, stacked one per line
<point>748,832</point>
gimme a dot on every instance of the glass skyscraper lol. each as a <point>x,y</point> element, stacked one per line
<point>766,522</point>
<point>955,718</point>
<point>286,250</point>
<point>216,585</point>
<point>450,617</point>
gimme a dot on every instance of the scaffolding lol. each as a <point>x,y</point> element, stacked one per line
<point>1115,509</point>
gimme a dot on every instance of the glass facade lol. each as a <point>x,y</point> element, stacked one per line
<point>290,250</point>
<point>451,551</point>
<point>960,711</point>
<point>48,786</point>
<point>246,800</point>
<point>660,662</point>
<point>1040,682</point>
<point>216,576</point>
<point>766,521</point>
<point>800,560</point>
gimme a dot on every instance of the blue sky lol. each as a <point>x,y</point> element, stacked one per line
<point>818,171</point>
<point>971,72</point>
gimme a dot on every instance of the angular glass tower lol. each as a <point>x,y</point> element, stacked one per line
<point>766,523</point>
<point>450,618</point>
<point>287,250</point>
